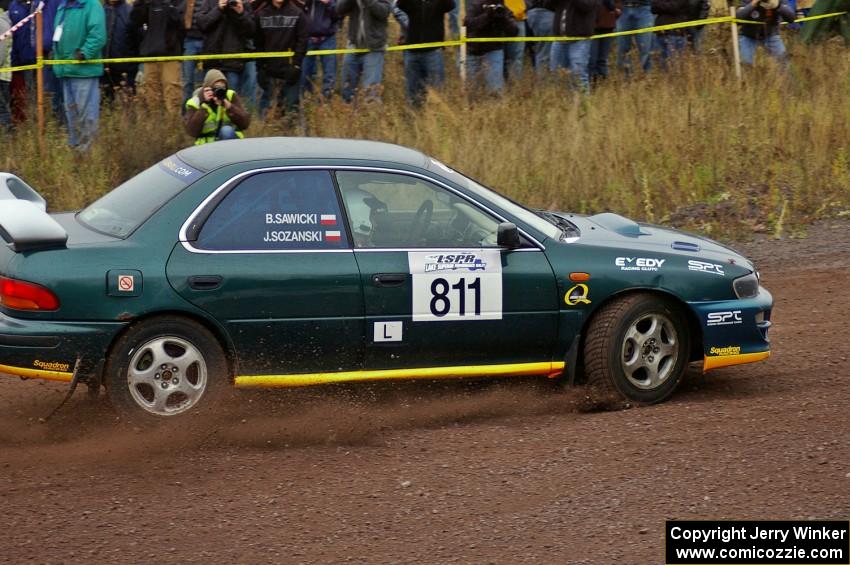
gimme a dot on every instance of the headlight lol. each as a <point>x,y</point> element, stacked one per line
<point>746,286</point>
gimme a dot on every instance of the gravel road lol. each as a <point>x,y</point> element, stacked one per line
<point>484,472</point>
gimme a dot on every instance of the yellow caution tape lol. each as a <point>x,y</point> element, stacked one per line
<point>453,43</point>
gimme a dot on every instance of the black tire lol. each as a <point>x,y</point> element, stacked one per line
<point>172,358</point>
<point>626,356</point>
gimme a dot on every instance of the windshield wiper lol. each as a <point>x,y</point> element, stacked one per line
<point>568,229</point>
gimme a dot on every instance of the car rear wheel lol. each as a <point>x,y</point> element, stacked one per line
<point>165,367</point>
<point>636,347</point>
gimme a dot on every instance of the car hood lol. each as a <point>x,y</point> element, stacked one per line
<point>615,230</point>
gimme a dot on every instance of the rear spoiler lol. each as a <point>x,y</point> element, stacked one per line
<point>25,224</point>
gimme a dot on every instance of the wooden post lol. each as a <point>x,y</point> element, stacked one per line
<point>39,81</point>
<point>462,52</point>
<point>736,53</point>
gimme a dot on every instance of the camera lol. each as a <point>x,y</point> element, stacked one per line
<point>232,3</point>
<point>220,93</point>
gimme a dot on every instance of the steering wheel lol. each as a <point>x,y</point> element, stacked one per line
<point>421,221</point>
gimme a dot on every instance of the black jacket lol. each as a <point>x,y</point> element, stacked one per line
<point>162,21</point>
<point>281,29</point>
<point>770,18</point>
<point>427,19</point>
<point>576,18</point>
<point>496,20</point>
<point>225,31</point>
<point>671,12</point>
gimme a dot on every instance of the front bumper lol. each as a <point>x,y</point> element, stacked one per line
<point>42,349</point>
<point>735,331</point>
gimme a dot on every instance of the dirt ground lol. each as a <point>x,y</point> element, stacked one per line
<point>493,472</point>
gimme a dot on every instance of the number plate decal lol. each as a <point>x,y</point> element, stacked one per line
<point>456,285</point>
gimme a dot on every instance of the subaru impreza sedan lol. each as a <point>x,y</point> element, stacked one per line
<point>287,262</point>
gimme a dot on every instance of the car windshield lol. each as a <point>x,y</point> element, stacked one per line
<point>506,204</point>
<point>121,211</point>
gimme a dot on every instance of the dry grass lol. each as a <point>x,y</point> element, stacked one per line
<point>691,147</point>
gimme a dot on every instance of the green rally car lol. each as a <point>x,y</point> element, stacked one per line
<point>288,262</point>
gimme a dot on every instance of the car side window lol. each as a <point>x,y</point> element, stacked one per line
<point>277,210</point>
<point>395,210</point>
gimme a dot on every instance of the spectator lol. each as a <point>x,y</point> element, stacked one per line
<point>600,49</point>
<point>488,18</point>
<point>227,27</point>
<point>515,50</point>
<point>122,40</point>
<point>637,14</point>
<point>193,44</point>
<point>767,12</point>
<point>281,26</point>
<point>539,18</point>
<point>367,29</point>
<point>574,18</point>
<point>214,111</point>
<point>699,10</point>
<point>24,53</point>
<point>424,67</point>
<point>5,61</point>
<point>80,34</point>
<point>671,42</point>
<point>322,27</point>
<point>162,36</point>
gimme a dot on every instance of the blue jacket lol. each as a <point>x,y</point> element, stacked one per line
<point>23,40</point>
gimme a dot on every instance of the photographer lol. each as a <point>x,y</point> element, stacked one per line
<point>767,12</point>
<point>214,112</point>
<point>488,18</point>
<point>227,26</point>
<point>281,26</point>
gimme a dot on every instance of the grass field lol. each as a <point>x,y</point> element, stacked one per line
<point>691,147</point>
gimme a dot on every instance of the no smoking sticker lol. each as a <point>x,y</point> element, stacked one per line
<point>126,283</point>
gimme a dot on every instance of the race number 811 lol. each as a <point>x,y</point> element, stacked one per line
<point>456,286</point>
<point>441,302</point>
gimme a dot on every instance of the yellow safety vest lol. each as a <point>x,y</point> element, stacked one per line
<point>211,124</point>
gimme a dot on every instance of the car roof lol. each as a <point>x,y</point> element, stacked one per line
<point>214,155</point>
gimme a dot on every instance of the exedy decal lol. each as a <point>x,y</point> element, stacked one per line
<point>727,318</point>
<point>703,267</point>
<point>577,295</point>
<point>638,263</point>
<point>452,262</point>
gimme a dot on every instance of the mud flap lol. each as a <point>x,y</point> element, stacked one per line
<point>71,389</point>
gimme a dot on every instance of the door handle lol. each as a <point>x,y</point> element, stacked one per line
<point>389,279</point>
<point>205,282</point>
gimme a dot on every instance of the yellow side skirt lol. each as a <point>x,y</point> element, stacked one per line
<point>37,373</point>
<point>548,368</point>
<point>715,362</point>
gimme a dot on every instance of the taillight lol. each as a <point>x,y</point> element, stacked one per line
<point>22,295</point>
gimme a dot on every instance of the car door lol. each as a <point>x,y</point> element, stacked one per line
<point>267,256</point>
<point>438,291</point>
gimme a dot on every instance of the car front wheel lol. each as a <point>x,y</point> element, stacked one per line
<point>165,367</point>
<point>637,346</point>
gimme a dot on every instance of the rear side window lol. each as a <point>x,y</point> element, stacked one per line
<point>278,210</point>
<point>125,208</point>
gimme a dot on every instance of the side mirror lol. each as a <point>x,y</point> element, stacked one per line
<point>508,236</point>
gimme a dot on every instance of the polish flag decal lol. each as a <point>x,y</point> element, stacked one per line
<point>327,219</point>
<point>332,236</point>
